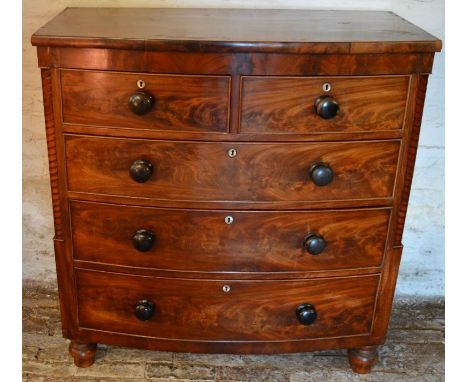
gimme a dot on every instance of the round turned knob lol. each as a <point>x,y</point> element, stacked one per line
<point>315,243</point>
<point>321,174</point>
<point>141,170</point>
<point>326,107</point>
<point>140,103</point>
<point>144,310</point>
<point>143,240</point>
<point>306,314</point>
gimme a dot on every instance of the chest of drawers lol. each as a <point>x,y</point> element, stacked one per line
<point>230,181</point>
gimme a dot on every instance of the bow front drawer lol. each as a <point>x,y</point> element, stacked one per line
<point>254,172</point>
<point>322,104</point>
<point>228,241</point>
<point>146,101</point>
<point>214,310</point>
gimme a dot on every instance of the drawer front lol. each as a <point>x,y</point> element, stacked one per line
<point>179,102</point>
<point>197,240</point>
<point>206,171</point>
<point>204,310</point>
<point>287,104</point>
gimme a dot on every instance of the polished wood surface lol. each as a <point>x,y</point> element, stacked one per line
<point>286,105</point>
<point>83,353</point>
<point>204,171</point>
<point>146,177</point>
<point>200,310</point>
<point>362,359</point>
<point>192,240</point>
<point>235,30</point>
<point>240,63</point>
<point>101,98</point>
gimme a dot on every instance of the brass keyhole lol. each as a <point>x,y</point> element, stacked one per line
<point>232,153</point>
<point>141,84</point>
<point>226,288</point>
<point>229,220</point>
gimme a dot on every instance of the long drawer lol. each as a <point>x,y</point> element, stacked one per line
<point>252,172</point>
<point>281,105</point>
<point>226,310</point>
<point>163,102</point>
<point>228,241</point>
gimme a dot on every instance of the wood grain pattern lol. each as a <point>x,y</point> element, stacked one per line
<point>182,103</point>
<point>273,64</point>
<point>204,171</point>
<point>91,60</point>
<point>201,311</point>
<point>235,30</point>
<point>197,240</point>
<point>286,105</point>
<point>411,157</point>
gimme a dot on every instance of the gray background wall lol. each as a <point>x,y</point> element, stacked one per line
<point>422,268</point>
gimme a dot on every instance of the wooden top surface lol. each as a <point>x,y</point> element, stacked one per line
<point>235,30</point>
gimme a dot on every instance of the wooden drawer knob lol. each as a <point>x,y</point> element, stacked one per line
<point>326,107</point>
<point>144,310</point>
<point>141,170</point>
<point>143,240</point>
<point>315,243</point>
<point>321,174</point>
<point>306,314</point>
<point>140,103</point>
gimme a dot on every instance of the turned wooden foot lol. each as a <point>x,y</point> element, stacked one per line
<point>83,354</point>
<point>362,359</point>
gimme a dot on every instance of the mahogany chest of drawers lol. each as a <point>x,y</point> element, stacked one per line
<point>230,181</point>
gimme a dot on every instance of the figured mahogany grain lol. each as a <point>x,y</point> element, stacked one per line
<point>199,310</point>
<point>193,63</point>
<point>272,64</point>
<point>205,172</point>
<point>182,103</point>
<point>198,240</point>
<point>286,104</point>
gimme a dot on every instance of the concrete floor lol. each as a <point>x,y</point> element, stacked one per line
<point>414,352</point>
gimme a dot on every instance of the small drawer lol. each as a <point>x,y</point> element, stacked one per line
<point>146,101</point>
<point>225,310</point>
<point>304,105</point>
<point>228,241</point>
<point>220,172</point>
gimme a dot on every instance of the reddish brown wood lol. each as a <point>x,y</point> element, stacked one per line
<point>240,63</point>
<point>82,353</point>
<point>63,262</point>
<point>362,359</point>
<point>101,98</point>
<point>199,310</point>
<point>201,112</point>
<point>52,150</point>
<point>235,30</point>
<point>204,171</point>
<point>403,182</point>
<point>286,104</point>
<point>192,240</point>
<point>411,156</point>
<point>282,275</point>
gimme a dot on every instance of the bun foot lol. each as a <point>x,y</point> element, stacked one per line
<point>362,359</point>
<point>83,354</point>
